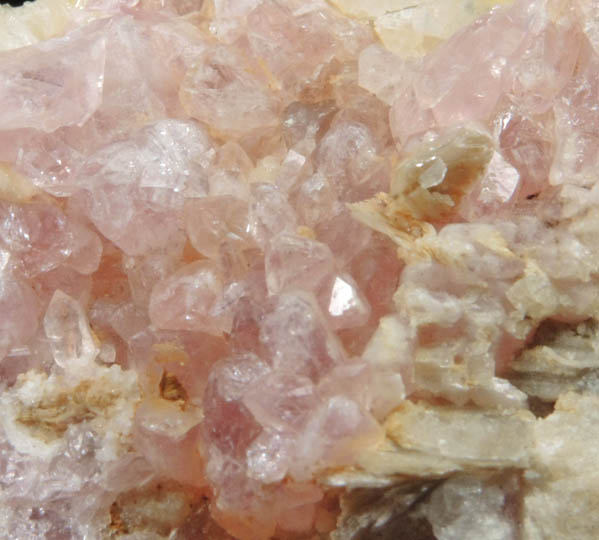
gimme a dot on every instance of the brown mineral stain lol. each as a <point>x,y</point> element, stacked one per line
<point>117,525</point>
<point>190,254</point>
<point>157,510</point>
<point>306,232</point>
<point>110,280</point>
<point>14,187</point>
<point>169,353</point>
<point>50,419</point>
<point>459,160</point>
<point>171,389</point>
<point>201,525</point>
<point>323,87</point>
<point>460,178</point>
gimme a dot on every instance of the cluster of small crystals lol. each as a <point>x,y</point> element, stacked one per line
<point>238,237</point>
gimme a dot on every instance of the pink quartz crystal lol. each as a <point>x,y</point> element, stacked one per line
<point>236,236</point>
<point>40,89</point>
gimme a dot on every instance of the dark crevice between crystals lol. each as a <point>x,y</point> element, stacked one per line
<point>386,514</point>
<point>14,3</point>
<point>540,408</point>
<point>571,368</point>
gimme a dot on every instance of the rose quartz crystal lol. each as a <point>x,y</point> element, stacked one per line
<point>248,254</point>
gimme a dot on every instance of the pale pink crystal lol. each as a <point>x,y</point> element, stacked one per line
<point>170,441</point>
<point>222,91</point>
<point>19,308</point>
<point>298,41</point>
<point>68,280</point>
<point>382,73</point>
<point>281,401</point>
<point>315,199</point>
<point>42,237</point>
<point>294,47</point>
<point>544,68</point>
<point>575,115</point>
<point>336,431</point>
<point>347,306</point>
<point>494,192</point>
<point>270,213</point>
<point>145,271</point>
<point>304,123</point>
<point>295,262</point>
<point>39,88</point>
<point>527,143</point>
<point>516,51</point>
<point>230,18</point>
<point>333,229</point>
<point>210,221</point>
<point>186,300</point>
<point>186,239</point>
<point>346,155</point>
<point>296,335</point>
<point>68,332</point>
<point>174,158</point>
<point>269,457</point>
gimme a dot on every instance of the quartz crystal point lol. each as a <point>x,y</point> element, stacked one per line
<point>68,333</point>
<point>299,269</point>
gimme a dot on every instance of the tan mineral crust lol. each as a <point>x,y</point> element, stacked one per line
<point>299,270</point>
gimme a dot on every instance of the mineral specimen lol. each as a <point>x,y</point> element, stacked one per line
<point>283,269</point>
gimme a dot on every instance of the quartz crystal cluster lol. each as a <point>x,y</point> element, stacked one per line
<point>298,269</point>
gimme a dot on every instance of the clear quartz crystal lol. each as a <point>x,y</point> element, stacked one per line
<point>67,330</point>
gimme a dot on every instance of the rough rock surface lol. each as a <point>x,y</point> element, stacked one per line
<point>283,269</point>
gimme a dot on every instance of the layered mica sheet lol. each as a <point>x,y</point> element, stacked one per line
<point>299,270</point>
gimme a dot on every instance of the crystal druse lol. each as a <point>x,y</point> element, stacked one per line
<point>299,269</point>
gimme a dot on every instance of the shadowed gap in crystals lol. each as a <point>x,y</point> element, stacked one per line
<point>14,3</point>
